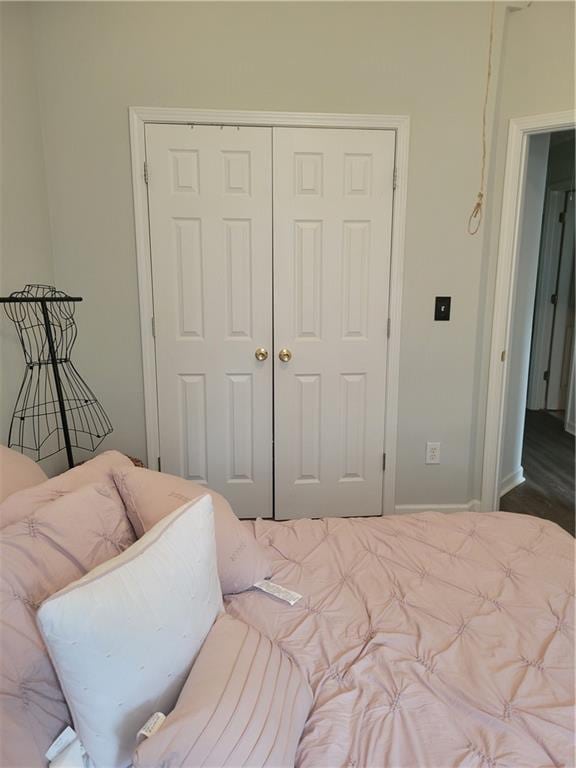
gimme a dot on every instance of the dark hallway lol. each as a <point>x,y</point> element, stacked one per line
<point>548,461</point>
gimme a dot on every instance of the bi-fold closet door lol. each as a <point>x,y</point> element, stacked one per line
<point>270,251</point>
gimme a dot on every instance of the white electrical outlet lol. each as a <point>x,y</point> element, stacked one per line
<point>432,453</point>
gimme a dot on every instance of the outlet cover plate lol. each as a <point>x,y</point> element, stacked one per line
<point>432,453</point>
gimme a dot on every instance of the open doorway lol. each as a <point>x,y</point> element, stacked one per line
<point>537,457</point>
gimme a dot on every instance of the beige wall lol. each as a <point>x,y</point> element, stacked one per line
<point>536,77</point>
<point>25,243</point>
<point>426,60</point>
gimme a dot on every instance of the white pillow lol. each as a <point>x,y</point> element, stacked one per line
<point>124,637</point>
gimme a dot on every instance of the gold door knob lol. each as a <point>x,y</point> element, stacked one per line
<point>261,354</point>
<point>285,355</point>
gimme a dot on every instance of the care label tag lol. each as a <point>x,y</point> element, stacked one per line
<point>153,724</point>
<point>277,591</point>
<point>66,738</point>
<point>73,756</point>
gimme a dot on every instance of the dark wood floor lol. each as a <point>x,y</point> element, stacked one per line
<point>548,461</point>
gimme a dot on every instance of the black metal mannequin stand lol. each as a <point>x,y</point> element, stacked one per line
<point>47,331</point>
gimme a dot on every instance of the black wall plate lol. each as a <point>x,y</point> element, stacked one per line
<point>442,308</point>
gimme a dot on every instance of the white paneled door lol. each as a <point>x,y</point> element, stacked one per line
<point>333,193</point>
<point>250,226</point>
<point>210,204</point>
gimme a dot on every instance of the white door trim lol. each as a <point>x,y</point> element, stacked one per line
<point>520,129</point>
<point>139,116</point>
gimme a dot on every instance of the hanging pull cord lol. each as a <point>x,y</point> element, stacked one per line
<point>475,218</point>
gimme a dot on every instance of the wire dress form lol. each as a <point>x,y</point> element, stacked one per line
<point>37,421</point>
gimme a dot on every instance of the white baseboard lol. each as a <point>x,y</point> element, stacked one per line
<point>511,481</point>
<point>467,506</point>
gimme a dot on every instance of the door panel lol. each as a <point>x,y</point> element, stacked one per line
<point>210,202</point>
<point>333,194</point>
<point>556,394</point>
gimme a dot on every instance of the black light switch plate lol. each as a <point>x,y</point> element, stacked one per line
<point>442,308</point>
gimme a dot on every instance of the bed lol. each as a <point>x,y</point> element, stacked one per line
<point>429,639</point>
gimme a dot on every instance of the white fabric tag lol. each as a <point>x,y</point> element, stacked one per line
<point>66,738</point>
<point>72,756</point>
<point>153,724</point>
<point>277,591</point>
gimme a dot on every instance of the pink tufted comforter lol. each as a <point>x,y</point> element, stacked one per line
<point>429,640</point>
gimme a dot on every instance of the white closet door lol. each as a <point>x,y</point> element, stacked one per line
<point>333,194</point>
<point>210,202</point>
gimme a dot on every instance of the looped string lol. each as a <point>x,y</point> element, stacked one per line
<point>475,218</point>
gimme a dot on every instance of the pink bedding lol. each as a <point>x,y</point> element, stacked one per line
<point>428,640</point>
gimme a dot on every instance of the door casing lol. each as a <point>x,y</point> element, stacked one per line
<point>519,131</point>
<point>138,117</point>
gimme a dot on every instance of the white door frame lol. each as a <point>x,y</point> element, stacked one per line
<point>139,116</point>
<point>520,129</point>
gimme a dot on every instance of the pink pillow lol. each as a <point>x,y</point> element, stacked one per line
<point>149,496</point>
<point>97,470</point>
<point>39,555</point>
<point>17,471</point>
<point>245,702</point>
